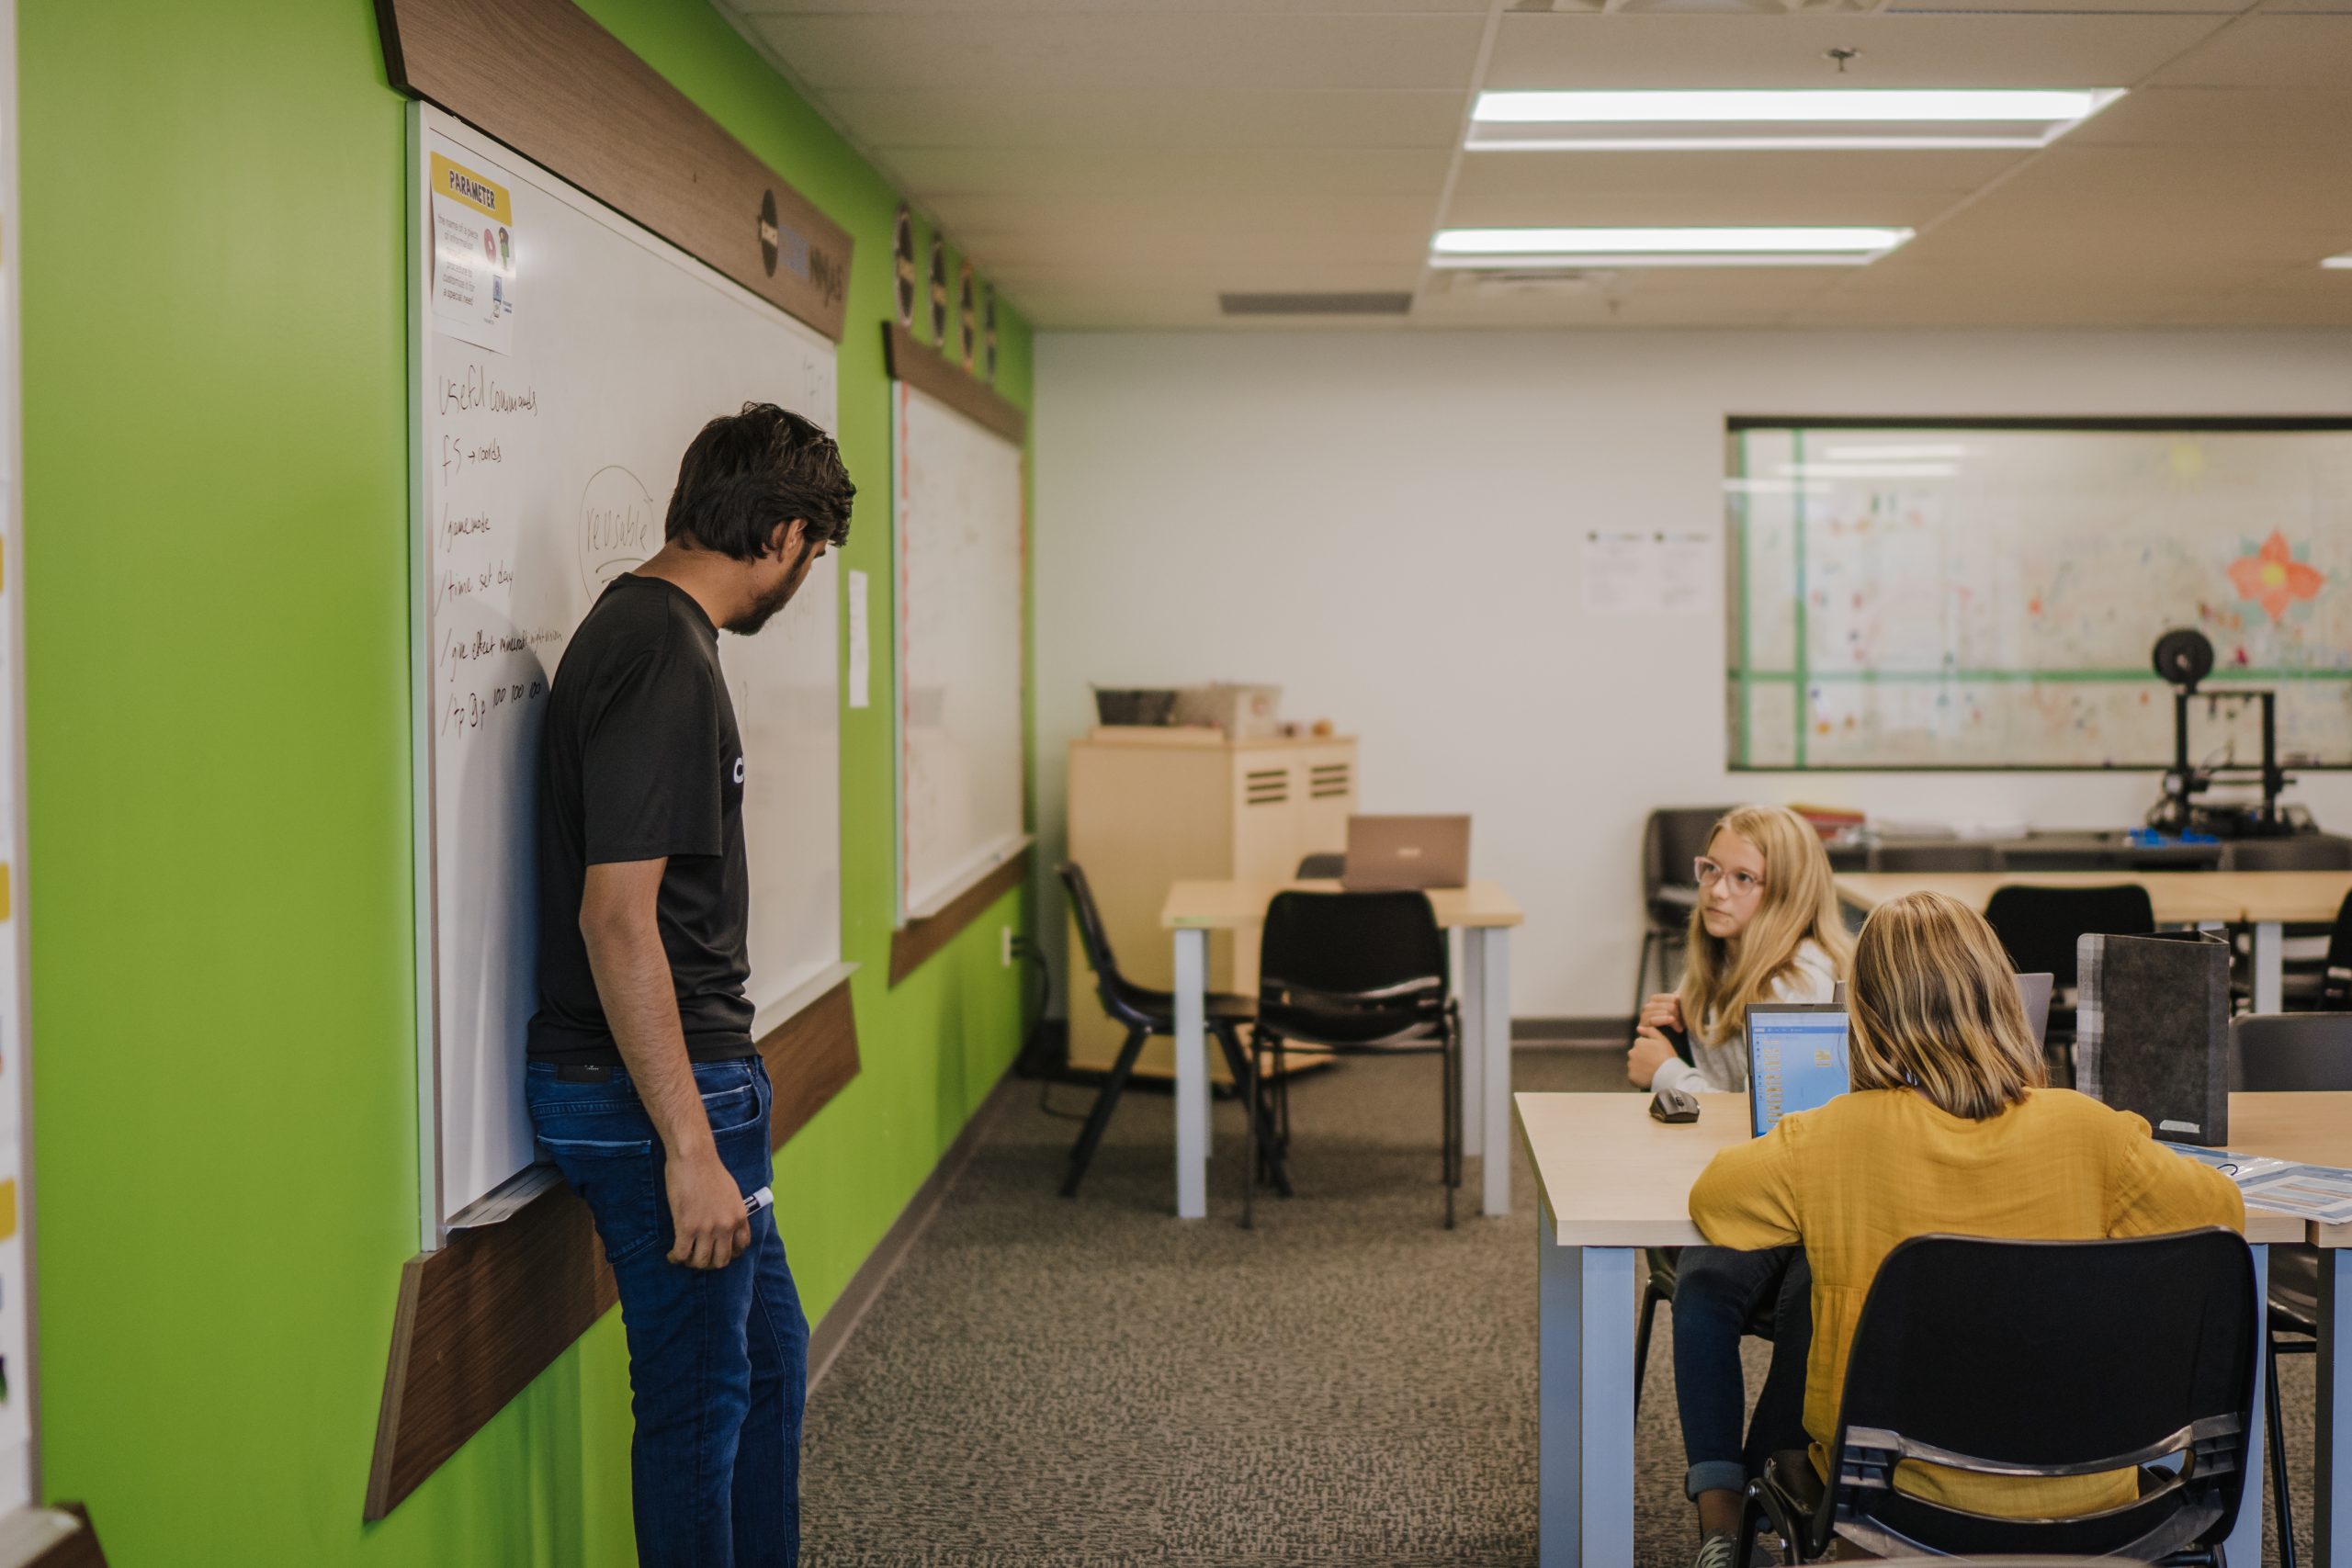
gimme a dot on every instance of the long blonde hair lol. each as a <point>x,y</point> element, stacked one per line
<point>1935,1009</point>
<point>1798,905</point>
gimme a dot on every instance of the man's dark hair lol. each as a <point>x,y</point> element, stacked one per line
<point>748,472</point>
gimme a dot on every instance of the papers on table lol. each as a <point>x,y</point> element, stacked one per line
<point>2316,1192</point>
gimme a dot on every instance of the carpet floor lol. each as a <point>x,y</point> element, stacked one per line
<point>1050,1382</point>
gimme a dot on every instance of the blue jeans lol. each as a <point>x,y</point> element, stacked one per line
<point>718,1357</point>
<point>1717,1292</point>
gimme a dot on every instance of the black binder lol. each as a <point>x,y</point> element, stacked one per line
<point>2153,1030</point>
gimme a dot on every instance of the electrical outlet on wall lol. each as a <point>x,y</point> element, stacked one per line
<point>1005,936</point>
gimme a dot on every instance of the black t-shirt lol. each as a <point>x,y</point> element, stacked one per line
<point>640,759</point>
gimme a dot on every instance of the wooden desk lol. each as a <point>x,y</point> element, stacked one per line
<point>2266,901</point>
<point>1610,1180</point>
<point>1483,913</point>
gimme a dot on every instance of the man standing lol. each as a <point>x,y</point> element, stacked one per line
<point>643,1083</point>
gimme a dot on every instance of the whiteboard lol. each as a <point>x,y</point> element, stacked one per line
<point>1988,597</point>
<point>960,542</point>
<point>543,470</point>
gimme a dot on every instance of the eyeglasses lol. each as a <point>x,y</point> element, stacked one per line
<point>1708,873</point>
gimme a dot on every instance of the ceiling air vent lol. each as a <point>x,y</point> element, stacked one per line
<point>1357,303</point>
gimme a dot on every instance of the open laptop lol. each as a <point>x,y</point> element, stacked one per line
<point>1796,1059</point>
<point>1797,1055</point>
<point>1391,852</point>
<point>2033,990</point>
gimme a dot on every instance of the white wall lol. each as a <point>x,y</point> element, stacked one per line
<point>1388,526</point>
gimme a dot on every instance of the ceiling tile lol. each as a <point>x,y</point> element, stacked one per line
<point>1042,53</point>
<point>1096,171</point>
<point>2293,120</point>
<point>1135,213</point>
<point>1942,50</point>
<point>2309,50</point>
<point>1177,116</point>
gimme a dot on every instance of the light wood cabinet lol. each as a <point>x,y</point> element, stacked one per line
<point>1151,807</point>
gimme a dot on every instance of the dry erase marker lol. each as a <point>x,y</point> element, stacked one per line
<point>754,1202</point>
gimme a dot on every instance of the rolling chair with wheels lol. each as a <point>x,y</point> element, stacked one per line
<point>1353,973</point>
<point>2288,1052</point>
<point>2160,1329</point>
<point>1322,867</point>
<point>1145,1013</point>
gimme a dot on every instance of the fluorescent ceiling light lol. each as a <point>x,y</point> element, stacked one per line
<point>1780,118</point>
<point>2338,263</point>
<point>1662,247</point>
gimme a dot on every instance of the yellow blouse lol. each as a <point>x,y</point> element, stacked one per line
<point>1873,1169</point>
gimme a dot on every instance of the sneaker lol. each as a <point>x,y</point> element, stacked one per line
<point>1717,1550</point>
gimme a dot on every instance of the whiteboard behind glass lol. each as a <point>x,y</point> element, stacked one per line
<point>543,472</point>
<point>959,605</point>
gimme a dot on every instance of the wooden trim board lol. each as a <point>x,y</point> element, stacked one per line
<point>916,941</point>
<point>544,78</point>
<point>827,1339</point>
<point>478,1320</point>
<point>927,370</point>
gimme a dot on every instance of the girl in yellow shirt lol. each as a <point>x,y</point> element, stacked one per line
<point>1950,1127</point>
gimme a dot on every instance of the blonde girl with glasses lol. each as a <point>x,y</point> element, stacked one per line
<point>1950,1128</point>
<point>1766,929</point>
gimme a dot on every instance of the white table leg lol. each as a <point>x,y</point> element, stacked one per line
<point>2244,1545</point>
<point>1494,1025</point>
<point>2269,966</point>
<point>1472,995</point>
<point>1584,1403</point>
<point>1192,1074</point>
<point>2330,1475</point>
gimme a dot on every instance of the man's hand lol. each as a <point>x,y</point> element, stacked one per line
<point>1650,1052</point>
<point>1663,1011</point>
<point>706,1207</point>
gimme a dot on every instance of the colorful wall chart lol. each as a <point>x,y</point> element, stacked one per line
<point>1961,596</point>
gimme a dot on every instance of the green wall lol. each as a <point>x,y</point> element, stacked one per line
<point>215,591</point>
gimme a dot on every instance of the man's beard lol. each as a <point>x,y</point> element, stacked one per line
<point>749,623</point>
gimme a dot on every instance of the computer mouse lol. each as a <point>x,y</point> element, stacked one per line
<point>1674,1106</point>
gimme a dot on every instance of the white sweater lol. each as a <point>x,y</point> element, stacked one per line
<point>1722,1069</point>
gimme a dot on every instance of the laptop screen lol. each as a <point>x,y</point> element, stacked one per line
<point>1796,1060</point>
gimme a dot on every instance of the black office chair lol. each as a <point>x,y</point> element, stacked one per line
<point>2043,1359</point>
<point>1353,973</point>
<point>1145,1013</point>
<point>2040,927</point>
<point>2290,1052</point>
<point>1672,838</point>
<point>1955,856</point>
<point>1322,868</point>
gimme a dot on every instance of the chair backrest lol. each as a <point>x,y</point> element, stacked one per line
<point>2335,985</point>
<point>2040,925</point>
<point>1955,856</point>
<point>2303,851</point>
<point>1091,934</point>
<point>2051,1359</point>
<point>2283,1051</point>
<point>1351,967</point>
<point>1672,838</point>
<point>1322,868</point>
